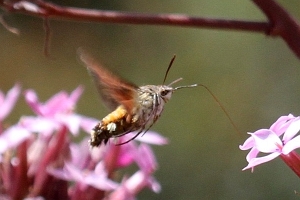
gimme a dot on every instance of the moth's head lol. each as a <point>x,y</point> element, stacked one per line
<point>165,92</point>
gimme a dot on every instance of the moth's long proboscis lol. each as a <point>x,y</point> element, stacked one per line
<point>223,108</point>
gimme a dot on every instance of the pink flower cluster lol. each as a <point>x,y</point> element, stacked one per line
<point>39,160</point>
<point>281,139</point>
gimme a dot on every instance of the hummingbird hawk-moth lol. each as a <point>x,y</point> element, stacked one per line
<point>134,108</point>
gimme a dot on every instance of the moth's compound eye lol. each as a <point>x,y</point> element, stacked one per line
<point>164,92</point>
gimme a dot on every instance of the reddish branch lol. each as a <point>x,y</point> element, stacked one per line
<point>280,22</point>
<point>50,10</point>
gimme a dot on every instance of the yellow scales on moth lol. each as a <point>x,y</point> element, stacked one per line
<point>134,108</point>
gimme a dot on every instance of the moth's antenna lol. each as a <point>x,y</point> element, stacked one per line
<point>170,65</point>
<point>177,80</point>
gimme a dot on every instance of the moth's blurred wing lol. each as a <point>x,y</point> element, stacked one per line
<point>113,90</point>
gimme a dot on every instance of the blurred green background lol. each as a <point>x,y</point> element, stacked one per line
<point>256,78</point>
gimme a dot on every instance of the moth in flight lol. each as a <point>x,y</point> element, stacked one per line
<point>134,108</point>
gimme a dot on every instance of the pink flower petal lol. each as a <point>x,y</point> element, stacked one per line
<point>280,126</point>
<point>80,153</point>
<point>146,159</point>
<point>56,104</point>
<point>138,181</point>
<point>99,180</point>
<point>291,131</point>
<point>75,95</point>
<point>248,144</point>
<point>267,141</point>
<point>151,137</point>
<point>257,161</point>
<point>32,100</point>
<point>126,155</point>
<point>7,103</point>
<point>87,123</point>
<point>41,125</point>
<point>70,121</point>
<point>252,154</point>
<point>12,137</point>
<point>291,145</point>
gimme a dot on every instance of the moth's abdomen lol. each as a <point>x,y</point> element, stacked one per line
<point>113,125</point>
<point>116,115</point>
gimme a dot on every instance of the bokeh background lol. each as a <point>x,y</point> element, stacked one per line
<point>256,78</point>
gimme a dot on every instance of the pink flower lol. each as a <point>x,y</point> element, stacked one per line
<point>132,186</point>
<point>97,178</point>
<point>279,140</point>
<point>58,104</point>
<point>49,165</point>
<point>89,174</point>
<point>56,112</point>
<point>128,152</point>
